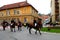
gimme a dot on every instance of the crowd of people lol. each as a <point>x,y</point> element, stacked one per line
<point>36,25</point>
<point>11,25</point>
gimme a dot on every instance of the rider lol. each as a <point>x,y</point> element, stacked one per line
<point>35,22</point>
<point>4,24</point>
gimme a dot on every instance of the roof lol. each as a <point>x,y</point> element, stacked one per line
<point>16,5</point>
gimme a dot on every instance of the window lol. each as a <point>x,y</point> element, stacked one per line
<point>1,13</point>
<point>16,11</point>
<point>8,12</point>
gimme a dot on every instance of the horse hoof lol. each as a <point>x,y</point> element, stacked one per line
<point>35,32</point>
<point>29,33</point>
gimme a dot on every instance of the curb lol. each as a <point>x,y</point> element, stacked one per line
<point>46,32</point>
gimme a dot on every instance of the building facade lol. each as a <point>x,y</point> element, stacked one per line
<point>22,11</point>
<point>55,10</point>
<point>44,17</point>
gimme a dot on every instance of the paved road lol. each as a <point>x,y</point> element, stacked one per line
<point>24,35</point>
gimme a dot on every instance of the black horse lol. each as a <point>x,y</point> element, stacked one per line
<point>37,27</point>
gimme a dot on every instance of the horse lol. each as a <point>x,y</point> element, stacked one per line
<point>37,27</point>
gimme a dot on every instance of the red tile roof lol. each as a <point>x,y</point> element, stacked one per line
<point>16,5</point>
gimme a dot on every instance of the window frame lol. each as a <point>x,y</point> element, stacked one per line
<point>16,11</point>
<point>8,12</point>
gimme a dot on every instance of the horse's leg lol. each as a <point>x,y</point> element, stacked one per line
<point>30,30</point>
<point>36,30</point>
<point>39,31</point>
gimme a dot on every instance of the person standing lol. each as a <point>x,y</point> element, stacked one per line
<point>4,24</point>
<point>12,26</point>
<point>19,25</point>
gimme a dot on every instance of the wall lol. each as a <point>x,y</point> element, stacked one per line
<point>24,12</point>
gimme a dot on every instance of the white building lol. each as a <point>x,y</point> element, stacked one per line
<point>55,10</point>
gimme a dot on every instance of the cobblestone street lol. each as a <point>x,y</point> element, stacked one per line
<point>24,35</point>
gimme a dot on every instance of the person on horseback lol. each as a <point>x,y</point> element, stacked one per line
<point>32,25</point>
<point>34,22</point>
<point>39,26</point>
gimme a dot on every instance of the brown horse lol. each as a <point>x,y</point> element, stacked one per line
<point>37,27</point>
